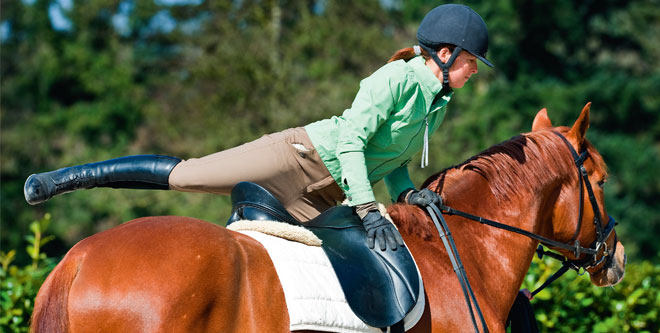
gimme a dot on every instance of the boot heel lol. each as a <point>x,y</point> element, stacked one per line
<point>38,188</point>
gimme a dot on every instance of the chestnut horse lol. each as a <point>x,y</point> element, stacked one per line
<point>181,274</point>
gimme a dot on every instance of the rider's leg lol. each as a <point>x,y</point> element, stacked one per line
<point>135,172</point>
<point>284,163</point>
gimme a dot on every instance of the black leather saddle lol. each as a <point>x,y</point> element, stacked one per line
<point>381,287</point>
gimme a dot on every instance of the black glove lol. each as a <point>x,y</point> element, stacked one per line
<point>378,227</point>
<point>423,198</point>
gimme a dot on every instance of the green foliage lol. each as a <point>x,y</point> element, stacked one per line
<point>573,304</point>
<point>19,285</point>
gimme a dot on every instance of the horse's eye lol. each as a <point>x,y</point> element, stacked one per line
<point>601,183</point>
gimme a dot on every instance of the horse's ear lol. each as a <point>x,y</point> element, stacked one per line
<point>541,120</point>
<point>579,129</point>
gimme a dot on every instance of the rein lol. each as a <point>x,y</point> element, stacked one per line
<point>602,234</point>
<point>452,252</point>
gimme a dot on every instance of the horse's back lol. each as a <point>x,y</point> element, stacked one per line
<point>167,274</point>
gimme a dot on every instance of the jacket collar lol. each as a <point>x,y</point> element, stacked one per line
<point>430,84</point>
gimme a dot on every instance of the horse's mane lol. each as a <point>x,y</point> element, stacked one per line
<point>513,170</point>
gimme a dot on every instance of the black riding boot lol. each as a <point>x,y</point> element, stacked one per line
<point>135,172</point>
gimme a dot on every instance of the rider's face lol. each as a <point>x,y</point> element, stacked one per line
<point>460,71</point>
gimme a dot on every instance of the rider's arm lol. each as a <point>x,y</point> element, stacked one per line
<point>371,108</point>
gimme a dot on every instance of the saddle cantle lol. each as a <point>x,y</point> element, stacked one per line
<point>381,287</point>
<point>252,202</point>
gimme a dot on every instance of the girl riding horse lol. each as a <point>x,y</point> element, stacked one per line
<point>180,274</point>
<point>312,168</point>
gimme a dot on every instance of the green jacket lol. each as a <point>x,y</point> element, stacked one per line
<point>386,125</point>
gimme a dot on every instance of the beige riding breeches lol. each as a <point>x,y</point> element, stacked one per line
<point>285,163</point>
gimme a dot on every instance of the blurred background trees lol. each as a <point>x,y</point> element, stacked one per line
<point>83,81</point>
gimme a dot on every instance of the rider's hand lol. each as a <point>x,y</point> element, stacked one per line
<point>423,197</point>
<point>379,228</point>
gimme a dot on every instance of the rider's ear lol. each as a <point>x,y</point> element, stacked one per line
<point>579,129</point>
<point>541,120</point>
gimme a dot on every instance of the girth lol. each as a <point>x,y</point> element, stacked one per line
<point>381,287</point>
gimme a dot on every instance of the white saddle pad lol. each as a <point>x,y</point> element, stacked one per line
<point>313,295</point>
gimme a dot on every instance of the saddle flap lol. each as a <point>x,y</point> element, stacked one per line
<point>381,287</point>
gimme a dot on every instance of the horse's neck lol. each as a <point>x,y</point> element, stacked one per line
<point>500,257</point>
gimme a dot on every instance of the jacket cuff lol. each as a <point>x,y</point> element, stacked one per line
<point>403,197</point>
<point>356,198</point>
<point>355,180</point>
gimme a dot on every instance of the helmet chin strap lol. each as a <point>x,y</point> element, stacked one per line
<point>443,65</point>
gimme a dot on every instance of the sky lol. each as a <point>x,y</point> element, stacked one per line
<point>162,22</point>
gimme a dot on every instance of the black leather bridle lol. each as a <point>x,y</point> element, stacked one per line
<point>602,234</point>
<point>573,245</point>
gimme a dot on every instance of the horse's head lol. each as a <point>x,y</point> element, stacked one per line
<point>579,217</point>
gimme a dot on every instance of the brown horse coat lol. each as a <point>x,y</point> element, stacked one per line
<point>163,274</point>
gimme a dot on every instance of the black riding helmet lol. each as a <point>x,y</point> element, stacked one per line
<point>457,25</point>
